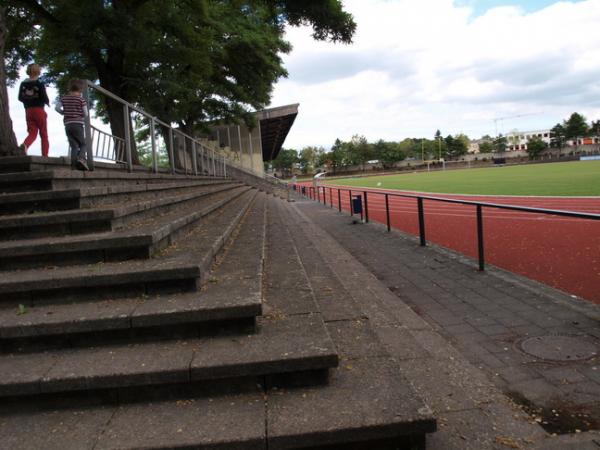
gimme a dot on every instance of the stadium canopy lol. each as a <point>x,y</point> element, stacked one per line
<point>275,124</point>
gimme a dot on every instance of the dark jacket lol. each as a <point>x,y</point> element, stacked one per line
<point>33,94</point>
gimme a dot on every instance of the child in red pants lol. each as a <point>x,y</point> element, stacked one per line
<point>32,93</point>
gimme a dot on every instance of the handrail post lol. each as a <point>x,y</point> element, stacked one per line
<point>88,131</point>
<point>350,195</point>
<point>480,238</point>
<point>387,212</point>
<point>171,150</point>
<point>225,166</point>
<point>185,161</point>
<point>331,197</point>
<point>421,222</point>
<point>153,141</point>
<point>339,200</point>
<point>194,158</point>
<point>214,166</point>
<point>127,138</point>
<point>366,208</point>
<point>318,195</point>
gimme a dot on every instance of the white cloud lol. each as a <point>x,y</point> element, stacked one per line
<point>420,65</point>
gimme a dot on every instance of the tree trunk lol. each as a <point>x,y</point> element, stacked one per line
<point>8,141</point>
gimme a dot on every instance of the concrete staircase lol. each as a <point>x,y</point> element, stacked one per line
<point>143,310</point>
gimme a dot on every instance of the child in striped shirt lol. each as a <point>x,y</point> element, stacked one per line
<point>74,109</point>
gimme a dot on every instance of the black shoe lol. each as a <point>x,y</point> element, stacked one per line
<point>82,165</point>
<point>23,148</point>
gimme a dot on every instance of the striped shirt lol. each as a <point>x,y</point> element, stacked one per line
<point>73,107</point>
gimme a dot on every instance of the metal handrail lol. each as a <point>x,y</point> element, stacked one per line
<point>114,152</point>
<point>211,161</point>
<point>315,195</point>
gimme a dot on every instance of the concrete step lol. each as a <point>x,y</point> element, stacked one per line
<point>139,240</point>
<point>233,295</point>
<point>97,219</point>
<point>280,345</point>
<point>353,412</point>
<point>65,178</point>
<point>178,268</point>
<point>88,197</point>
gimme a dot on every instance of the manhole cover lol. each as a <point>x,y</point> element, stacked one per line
<point>560,347</point>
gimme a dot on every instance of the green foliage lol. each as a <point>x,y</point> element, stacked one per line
<point>388,153</point>
<point>575,126</point>
<point>535,146</point>
<point>486,147</point>
<point>285,161</point>
<point>456,145</point>
<point>310,158</point>
<point>358,151</point>
<point>559,136</point>
<point>500,144</point>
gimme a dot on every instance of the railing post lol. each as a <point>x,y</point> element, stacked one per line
<point>480,238</point>
<point>387,212</point>
<point>153,142</point>
<point>350,195</point>
<point>331,197</point>
<point>421,222</point>
<point>88,131</point>
<point>366,208</point>
<point>127,138</point>
<point>171,150</point>
<point>339,199</point>
<point>225,165</point>
<point>214,165</point>
<point>184,153</point>
<point>194,158</point>
<point>318,194</point>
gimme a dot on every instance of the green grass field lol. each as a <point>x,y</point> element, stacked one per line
<point>556,179</point>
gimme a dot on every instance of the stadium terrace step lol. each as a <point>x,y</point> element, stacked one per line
<point>281,345</point>
<point>99,219</point>
<point>64,178</point>
<point>233,295</point>
<point>139,240</point>
<point>178,268</point>
<point>88,197</point>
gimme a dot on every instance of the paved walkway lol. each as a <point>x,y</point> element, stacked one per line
<point>460,335</point>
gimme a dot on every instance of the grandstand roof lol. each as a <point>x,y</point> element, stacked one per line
<point>275,124</point>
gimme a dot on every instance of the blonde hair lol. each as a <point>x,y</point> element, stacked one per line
<point>33,70</point>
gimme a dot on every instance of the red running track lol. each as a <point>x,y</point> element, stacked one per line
<point>558,251</point>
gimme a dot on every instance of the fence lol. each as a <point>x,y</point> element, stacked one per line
<point>192,155</point>
<point>390,211</point>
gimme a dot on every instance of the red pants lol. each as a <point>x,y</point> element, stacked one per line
<point>36,120</point>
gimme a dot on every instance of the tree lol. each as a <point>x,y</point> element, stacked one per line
<point>285,161</point>
<point>595,127</point>
<point>575,126</point>
<point>456,146</point>
<point>535,146</point>
<point>388,153</point>
<point>359,151</point>
<point>486,147</point>
<point>189,62</point>
<point>16,45</point>
<point>558,136</point>
<point>500,144</point>
<point>309,158</point>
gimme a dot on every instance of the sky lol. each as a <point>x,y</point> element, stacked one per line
<point>420,65</point>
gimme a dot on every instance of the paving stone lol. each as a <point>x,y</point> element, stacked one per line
<point>281,344</point>
<point>537,391</point>
<point>562,375</point>
<point>235,422</point>
<point>400,342</point>
<point>515,374</point>
<point>366,399</point>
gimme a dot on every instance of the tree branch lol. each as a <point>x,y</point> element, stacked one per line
<point>38,10</point>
